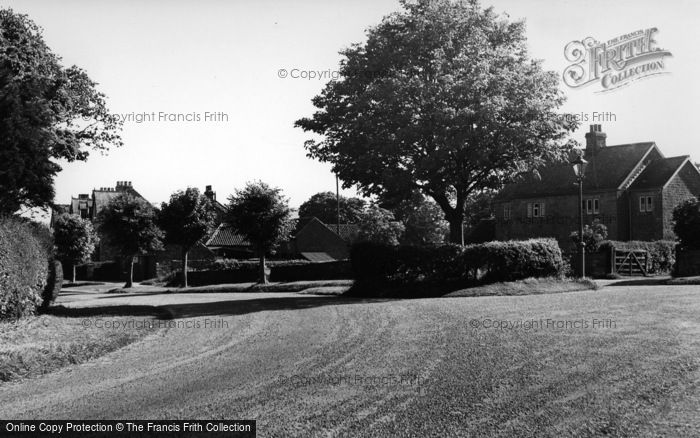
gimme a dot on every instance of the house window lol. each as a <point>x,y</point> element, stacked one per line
<point>591,206</point>
<point>646,204</point>
<point>506,211</point>
<point>535,209</point>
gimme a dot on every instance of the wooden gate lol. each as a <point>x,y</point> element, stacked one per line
<point>632,263</point>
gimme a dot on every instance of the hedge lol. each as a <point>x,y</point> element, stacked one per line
<point>25,251</point>
<point>231,271</point>
<point>661,252</point>
<point>377,265</point>
<point>515,260</point>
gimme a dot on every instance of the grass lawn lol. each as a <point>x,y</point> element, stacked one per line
<point>40,344</point>
<point>620,366</point>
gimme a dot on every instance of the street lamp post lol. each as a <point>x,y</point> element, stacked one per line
<point>579,169</point>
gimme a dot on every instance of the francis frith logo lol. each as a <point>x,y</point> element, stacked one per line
<point>616,62</point>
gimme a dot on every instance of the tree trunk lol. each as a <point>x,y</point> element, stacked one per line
<point>184,266</point>
<point>130,280</point>
<point>73,279</point>
<point>453,215</point>
<point>262,268</point>
<point>457,229</point>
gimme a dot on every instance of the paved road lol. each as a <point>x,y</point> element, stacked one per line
<point>293,362</point>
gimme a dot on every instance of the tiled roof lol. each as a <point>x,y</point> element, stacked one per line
<point>225,235</point>
<point>317,256</point>
<point>658,172</point>
<point>607,169</point>
<point>348,232</point>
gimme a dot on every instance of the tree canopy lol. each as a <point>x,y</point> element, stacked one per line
<point>47,113</point>
<point>262,214</point>
<point>75,240</point>
<point>423,220</point>
<point>444,98</point>
<point>379,225</point>
<point>186,219</point>
<point>129,223</point>
<point>324,206</point>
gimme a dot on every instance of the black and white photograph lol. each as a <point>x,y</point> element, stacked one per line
<point>349,218</point>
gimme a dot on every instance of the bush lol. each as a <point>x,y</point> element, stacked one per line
<point>686,223</point>
<point>25,250</point>
<point>593,236</point>
<point>662,253</point>
<point>376,265</point>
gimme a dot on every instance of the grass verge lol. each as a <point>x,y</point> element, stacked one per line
<point>529,286</point>
<point>38,345</point>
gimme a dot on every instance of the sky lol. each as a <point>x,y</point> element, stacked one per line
<point>227,59</point>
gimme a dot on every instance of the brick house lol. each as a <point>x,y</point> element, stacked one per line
<point>631,188</point>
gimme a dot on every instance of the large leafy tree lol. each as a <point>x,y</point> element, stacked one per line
<point>186,219</point>
<point>129,224</point>
<point>75,240</point>
<point>442,98</point>
<point>262,214</point>
<point>379,225</point>
<point>47,112</point>
<point>324,206</point>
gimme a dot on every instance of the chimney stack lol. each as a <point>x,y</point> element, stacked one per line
<point>595,140</point>
<point>210,194</point>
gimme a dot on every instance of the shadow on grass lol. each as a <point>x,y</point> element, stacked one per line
<point>217,308</point>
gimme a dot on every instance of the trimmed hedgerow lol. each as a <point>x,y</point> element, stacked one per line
<point>377,265</point>
<point>516,260</point>
<point>25,251</point>
<point>662,253</point>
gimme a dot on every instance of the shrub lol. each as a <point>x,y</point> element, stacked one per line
<point>662,253</point>
<point>25,250</point>
<point>686,223</point>
<point>376,265</point>
<point>593,236</point>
